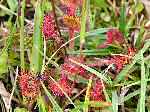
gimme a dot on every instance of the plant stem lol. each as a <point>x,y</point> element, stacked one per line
<point>71,36</point>
<point>83,24</point>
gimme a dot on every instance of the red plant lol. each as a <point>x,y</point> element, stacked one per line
<point>119,62</point>
<point>29,85</point>
<point>70,68</point>
<point>97,92</point>
<point>114,36</point>
<point>70,19</point>
<point>49,28</point>
<point>73,23</point>
<point>64,84</point>
<point>131,52</point>
<point>73,4</point>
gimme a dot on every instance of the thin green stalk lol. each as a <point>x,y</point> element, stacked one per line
<point>114,101</point>
<point>143,85</point>
<point>22,35</point>
<point>122,23</point>
<point>135,83</point>
<point>83,23</point>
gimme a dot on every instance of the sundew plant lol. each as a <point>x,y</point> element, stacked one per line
<point>74,55</point>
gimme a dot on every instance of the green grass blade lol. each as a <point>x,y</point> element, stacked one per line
<point>129,96</point>
<point>146,46</point>
<point>99,104</point>
<point>126,69</point>
<point>4,55</point>
<point>12,4</point>
<point>114,101</point>
<point>10,12</point>
<point>93,52</point>
<point>3,63</point>
<point>36,57</point>
<point>7,10</point>
<point>20,110</point>
<point>41,104</point>
<point>97,31</point>
<point>22,35</point>
<point>122,25</point>
<point>143,85</point>
<point>138,107</point>
<point>83,23</point>
<point>135,83</point>
<point>92,71</point>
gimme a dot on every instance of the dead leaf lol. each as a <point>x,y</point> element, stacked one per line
<point>5,95</point>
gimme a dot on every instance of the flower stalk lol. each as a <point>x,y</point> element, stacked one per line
<point>22,34</point>
<point>83,23</point>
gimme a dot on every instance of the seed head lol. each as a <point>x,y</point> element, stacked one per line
<point>113,36</point>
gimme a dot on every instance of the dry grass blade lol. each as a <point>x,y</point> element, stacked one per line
<point>5,95</point>
<point>14,86</point>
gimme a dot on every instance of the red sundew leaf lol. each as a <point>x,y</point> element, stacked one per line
<point>29,85</point>
<point>71,10</point>
<point>49,28</point>
<point>64,84</point>
<point>97,92</point>
<point>131,52</point>
<point>119,62</point>
<point>113,36</point>
<point>70,68</point>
